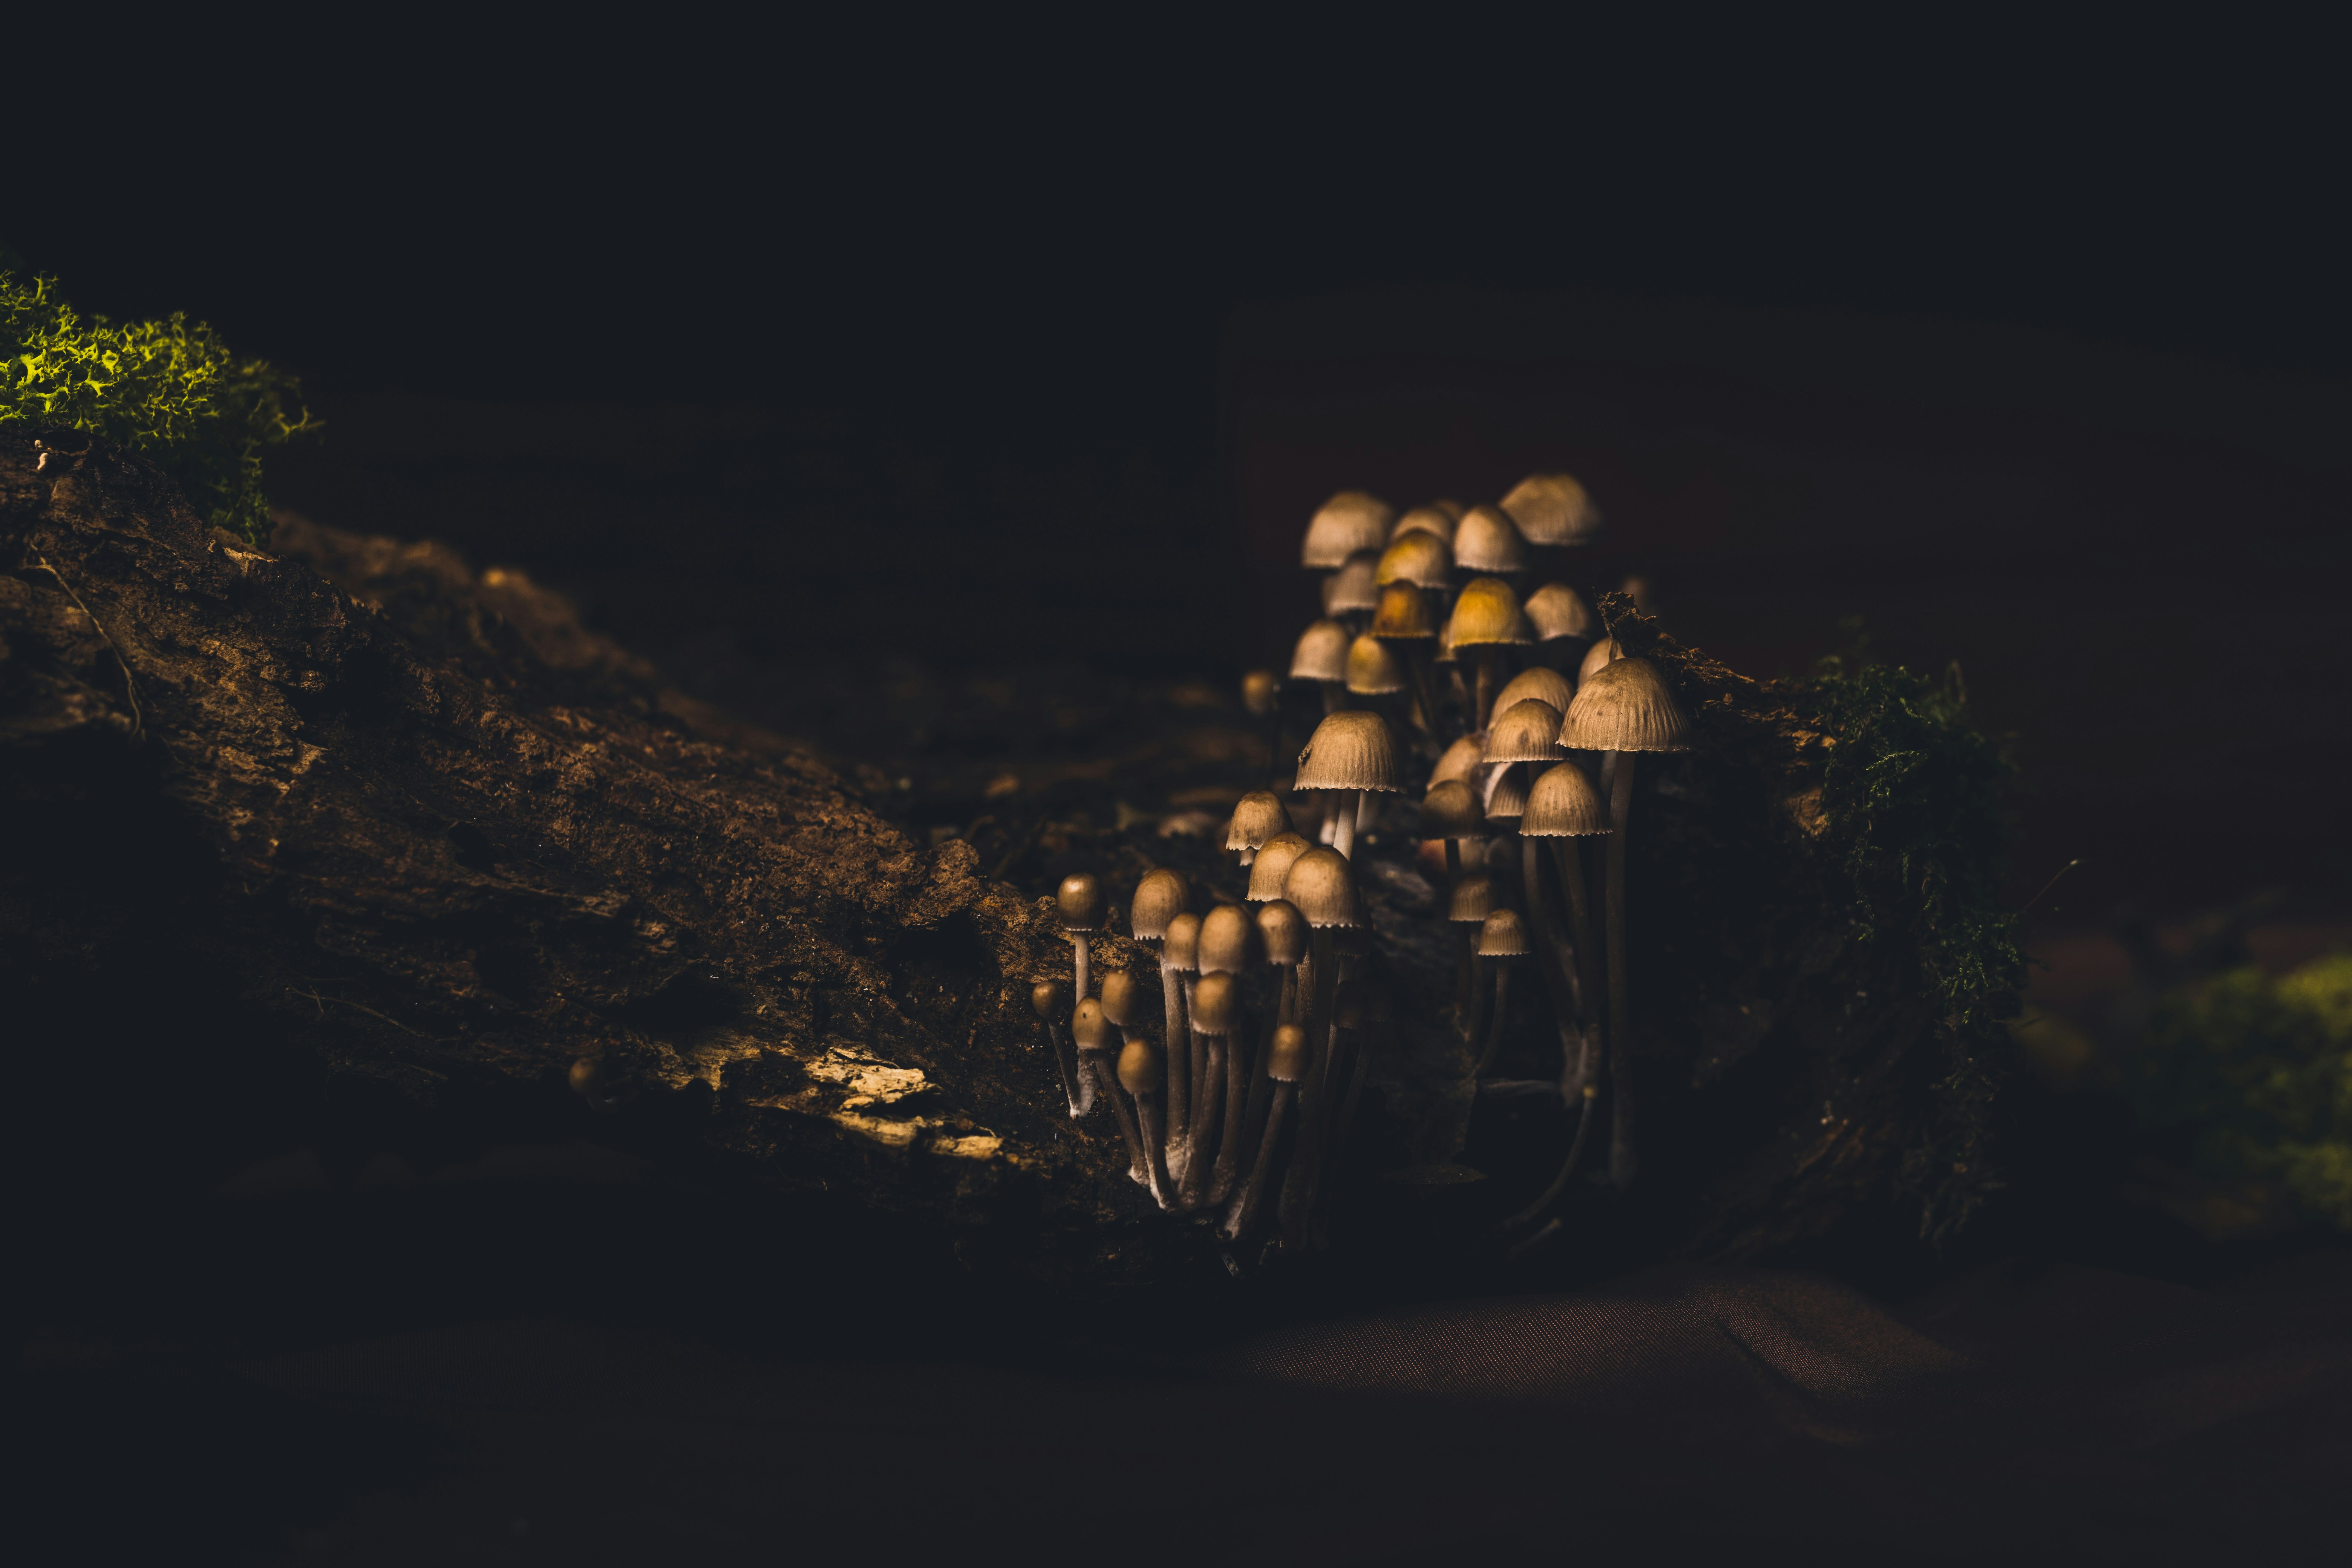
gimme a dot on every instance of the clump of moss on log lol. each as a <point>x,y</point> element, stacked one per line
<point>169,390</point>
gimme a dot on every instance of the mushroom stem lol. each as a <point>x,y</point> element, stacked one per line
<point>1570,861</point>
<point>1229,1142</point>
<point>1332,700</point>
<point>1147,1111</point>
<point>1489,675</point>
<point>1104,1077</point>
<point>1179,1061</point>
<point>1082,1092</point>
<point>1192,1188</point>
<point>1261,1079</point>
<point>1343,828</point>
<point>1079,942</point>
<point>1495,1028</point>
<point>1620,990</point>
<point>1340,1143</point>
<point>1244,1213</point>
<point>1316,1092</point>
<point>1567,1167</point>
<point>1559,963</point>
<point>1477,1018</point>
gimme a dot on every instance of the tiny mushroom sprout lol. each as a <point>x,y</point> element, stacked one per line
<point>1436,520</point>
<point>1563,807</point>
<point>1123,1007</point>
<point>1079,902</point>
<point>1287,1061</point>
<point>1503,937</point>
<point>1352,753</point>
<point>1349,522</point>
<point>1486,619</point>
<point>1553,509</point>
<point>1140,1073</point>
<point>1489,542</point>
<point>1050,1000</point>
<point>1353,589</point>
<point>1623,709</point>
<point>1557,611</point>
<point>1258,817</point>
<point>1321,657</point>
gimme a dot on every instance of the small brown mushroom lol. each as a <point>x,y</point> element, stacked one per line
<point>1140,1074</point>
<point>1352,753</point>
<point>1288,1062</point>
<point>1503,938</point>
<point>1123,1008</point>
<point>1050,1000</point>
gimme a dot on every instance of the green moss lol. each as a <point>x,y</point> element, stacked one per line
<point>169,390</point>
<point>2263,1067</point>
<point>1912,814</point>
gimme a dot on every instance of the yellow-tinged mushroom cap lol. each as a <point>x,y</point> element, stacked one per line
<point>1323,885</point>
<point>1215,1002</point>
<point>1287,1061</point>
<point>1139,1066</point>
<point>1487,613</point>
<point>1418,558</point>
<point>1283,930</point>
<point>1160,897</point>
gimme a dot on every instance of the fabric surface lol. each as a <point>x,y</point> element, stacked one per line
<point>1744,1414</point>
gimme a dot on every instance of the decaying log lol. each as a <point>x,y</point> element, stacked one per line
<point>350,821</point>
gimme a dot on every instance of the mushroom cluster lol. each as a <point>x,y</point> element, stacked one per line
<point>1517,724</point>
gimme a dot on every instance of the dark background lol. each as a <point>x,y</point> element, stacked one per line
<point>946,399</point>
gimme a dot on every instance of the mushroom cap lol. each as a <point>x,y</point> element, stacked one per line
<point>1504,935</point>
<point>1543,684</point>
<point>1215,1001</point>
<point>1563,805</point>
<point>1273,864</point>
<point>1089,1028</point>
<point>1431,519</point>
<point>1285,1061</point>
<point>586,1078</point>
<point>1605,651</point>
<point>1487,613</point>
<point>1354,588</point>
<point>1122,997</point>
<point>1527,734</point>
<point>1257,816</point>
<point>1419,557</point>
<point>1472,899</point>
<point>1179,950</point>
<point>1507,795</point>
<point>1080,900</point>
<point>1225,937</point>
<point>1626,707</point>
<point>1556,610</point>
<point>1373,669</point>
<point>1323,885</point>
<point>1139,1066</point>
<point>1553,509</point>
<point>1261,693</point>
<point>1451,810</point>
<point>1487,540</point>
<point>1283,930</point>
<point>1347,522</point>
<point>1349,749</point>
<point>1049,999</point>
<point>1403,615</point>
<point>1321,653</point>
<point>1462,760</point>
<point>1160,897</point>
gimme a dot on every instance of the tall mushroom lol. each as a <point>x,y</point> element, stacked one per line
<point>1562,809</point>
<point>1503,938</point>
<point>1079,900</point>
<point>1139,1073</point>
<point>1323,885</point>
<point>1467,908</point>
<point>1161,896</point>
<point>1352,754</point>
<point>1486,619</point>
<point>1049,999</point>
<point>1404,621</point>
<point>1282,932</point>
<point>1229,940</point>
<point>1122,1008</point>
<point>1217,1005</point>
<point>1321,657</point>
<point>1287,1063</point>
<point>1180,963</point>
<point>1623,710</point>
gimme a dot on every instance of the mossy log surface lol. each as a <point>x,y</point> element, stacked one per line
<point>349,823</point>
